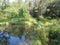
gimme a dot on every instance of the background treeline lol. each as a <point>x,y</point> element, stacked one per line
<point>39,20</point>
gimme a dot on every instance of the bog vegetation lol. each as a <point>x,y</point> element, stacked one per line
<point>38,20</point>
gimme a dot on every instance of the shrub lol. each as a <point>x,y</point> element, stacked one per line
<point>54,35</point>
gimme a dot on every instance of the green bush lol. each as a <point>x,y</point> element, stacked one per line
<point>54,35</point>
<point>53,10</point>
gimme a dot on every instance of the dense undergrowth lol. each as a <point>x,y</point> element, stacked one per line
<point>42,30</point>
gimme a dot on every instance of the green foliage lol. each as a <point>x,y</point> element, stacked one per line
<point>53,10</point>
<point>37,42</point>
<point>54,35</point>
<point>18,21</point>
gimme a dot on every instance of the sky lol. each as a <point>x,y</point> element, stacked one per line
<point>12,0</point>
<point>15,0</point>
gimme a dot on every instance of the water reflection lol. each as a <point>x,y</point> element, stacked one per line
<point>19,41</point>
<point>14,40</point>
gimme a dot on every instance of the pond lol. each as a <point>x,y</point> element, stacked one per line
<point>5,39</point>
<point>13,40</point>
